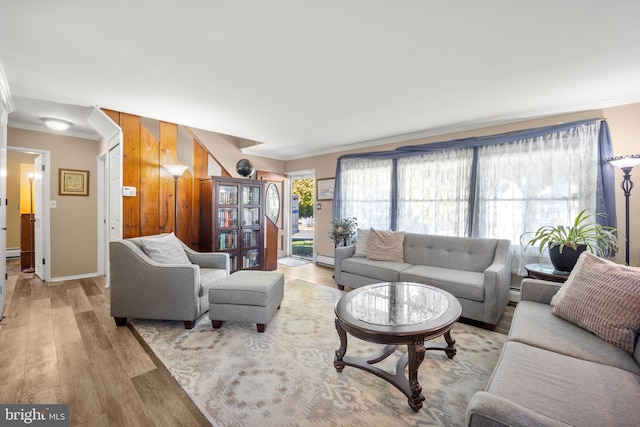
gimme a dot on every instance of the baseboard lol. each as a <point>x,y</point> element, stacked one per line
<point>325,260</point>
<point>80,276</point>
<point>13,253</point>
<point>514,295</point>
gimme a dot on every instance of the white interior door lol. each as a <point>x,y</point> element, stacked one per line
<point>115,194</point>
<point>38,191</point>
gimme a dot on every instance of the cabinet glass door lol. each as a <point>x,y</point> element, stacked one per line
<point>228,194</point>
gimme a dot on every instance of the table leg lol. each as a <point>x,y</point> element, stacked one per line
<point>416,356</point>
<point>337,362</point>
<point>451,349</point>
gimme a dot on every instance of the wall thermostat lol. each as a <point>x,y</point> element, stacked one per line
<point>129,191</point>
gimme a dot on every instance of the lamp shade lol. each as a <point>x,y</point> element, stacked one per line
<point>176,170</point>
<point>56,124</point>
<point>625,161</point>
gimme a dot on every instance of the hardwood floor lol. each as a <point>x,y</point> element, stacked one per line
<point>58,344</point>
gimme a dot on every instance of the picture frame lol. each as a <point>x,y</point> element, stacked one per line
<point>73,182</point>
<point>325,188</point>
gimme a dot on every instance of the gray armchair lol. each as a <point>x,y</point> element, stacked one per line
<point>146,289</point>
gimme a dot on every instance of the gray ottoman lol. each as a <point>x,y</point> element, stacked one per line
<point>249,296</point>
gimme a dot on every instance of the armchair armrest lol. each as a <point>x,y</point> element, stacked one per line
<point>341,253</point>
<point>218,260</point>
<point>538,290</point>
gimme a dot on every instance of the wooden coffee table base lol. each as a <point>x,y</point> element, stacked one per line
<point>412,359</point>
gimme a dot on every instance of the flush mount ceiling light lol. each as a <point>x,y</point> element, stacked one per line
<point>56,124</point>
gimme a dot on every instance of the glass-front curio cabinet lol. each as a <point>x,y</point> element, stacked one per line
<point>233,221</point>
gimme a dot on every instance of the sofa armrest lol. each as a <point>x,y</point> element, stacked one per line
<point>538,290</point>
<point>218,260</point>
<point>488,410</point>
<point>497,282</point>
<point>341,253</point>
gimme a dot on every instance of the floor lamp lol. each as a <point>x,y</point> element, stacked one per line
<point>626,163</point>
<point>175,171</point>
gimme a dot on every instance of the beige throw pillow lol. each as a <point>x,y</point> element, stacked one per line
<point>604,298</point>
<point>563,289</point>
<point>362,243</point>
<point>386,245</point>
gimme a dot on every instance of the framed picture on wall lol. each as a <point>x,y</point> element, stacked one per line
<point>73,182</point>
<point>325,188</point>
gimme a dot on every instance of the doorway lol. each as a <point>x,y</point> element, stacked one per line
<point>30,186</point>
<point>302,214</point>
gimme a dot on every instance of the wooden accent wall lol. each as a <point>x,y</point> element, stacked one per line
<point>151,211</point>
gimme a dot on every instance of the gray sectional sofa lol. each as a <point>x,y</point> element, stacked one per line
<point>554,373</point>
<point>476,271</point>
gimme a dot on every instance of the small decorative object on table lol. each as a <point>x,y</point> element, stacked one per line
<point>566,243</point>
<point>342,231</point>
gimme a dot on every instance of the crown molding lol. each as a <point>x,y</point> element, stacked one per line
<point>5,95</point>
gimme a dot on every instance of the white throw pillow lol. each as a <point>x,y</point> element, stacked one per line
<point>362,243</point>
<point>166,249</point>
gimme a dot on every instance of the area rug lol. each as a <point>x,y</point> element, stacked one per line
<point>292,262</point>
<point>285,376</point>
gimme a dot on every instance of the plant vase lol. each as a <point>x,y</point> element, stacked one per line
<point>566,260</point>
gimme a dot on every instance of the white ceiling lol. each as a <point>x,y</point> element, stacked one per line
<point>306,77</point>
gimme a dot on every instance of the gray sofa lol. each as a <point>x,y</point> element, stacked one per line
<point>146,289</point>
<point>554,373</point>
<point>476,271</point>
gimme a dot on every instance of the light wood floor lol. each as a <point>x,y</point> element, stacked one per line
<point>58,344</point>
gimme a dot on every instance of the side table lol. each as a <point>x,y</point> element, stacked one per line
<point>546,272</point>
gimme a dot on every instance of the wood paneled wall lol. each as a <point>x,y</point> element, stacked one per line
<point>151,211</point>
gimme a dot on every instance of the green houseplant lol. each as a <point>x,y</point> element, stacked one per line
<point>566,243</point>
<point>342,230</point>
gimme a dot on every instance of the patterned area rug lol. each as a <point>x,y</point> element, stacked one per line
<point>285,376</point>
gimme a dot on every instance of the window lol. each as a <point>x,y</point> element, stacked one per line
<point>500,186</point>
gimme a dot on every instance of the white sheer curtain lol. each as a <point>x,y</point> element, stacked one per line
<point>366,191</point>
<point>433,192</point>
<point>525,184</point>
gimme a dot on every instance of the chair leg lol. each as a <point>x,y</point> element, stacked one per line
<point>261,327</point>
<point>120,321</point>
<point>189,324</point>
<point>216,324</point>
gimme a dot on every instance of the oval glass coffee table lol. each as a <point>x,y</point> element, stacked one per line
<point>396,313</point>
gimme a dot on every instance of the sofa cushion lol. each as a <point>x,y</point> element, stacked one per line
<point>535,325</point>
<point>456,253</point>
<point>385,245</point>
<point>566,389</point>
<point>362,243</point>
<point>461,284</point>
<point>604,298</point>
<point>384,271</point>
<point>209,276</point>
<point>166,249</point>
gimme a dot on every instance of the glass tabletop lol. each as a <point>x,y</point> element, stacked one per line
<point>397,304</point>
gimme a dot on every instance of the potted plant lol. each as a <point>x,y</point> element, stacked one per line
<point>342,230</point>
<point>566,243</point>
